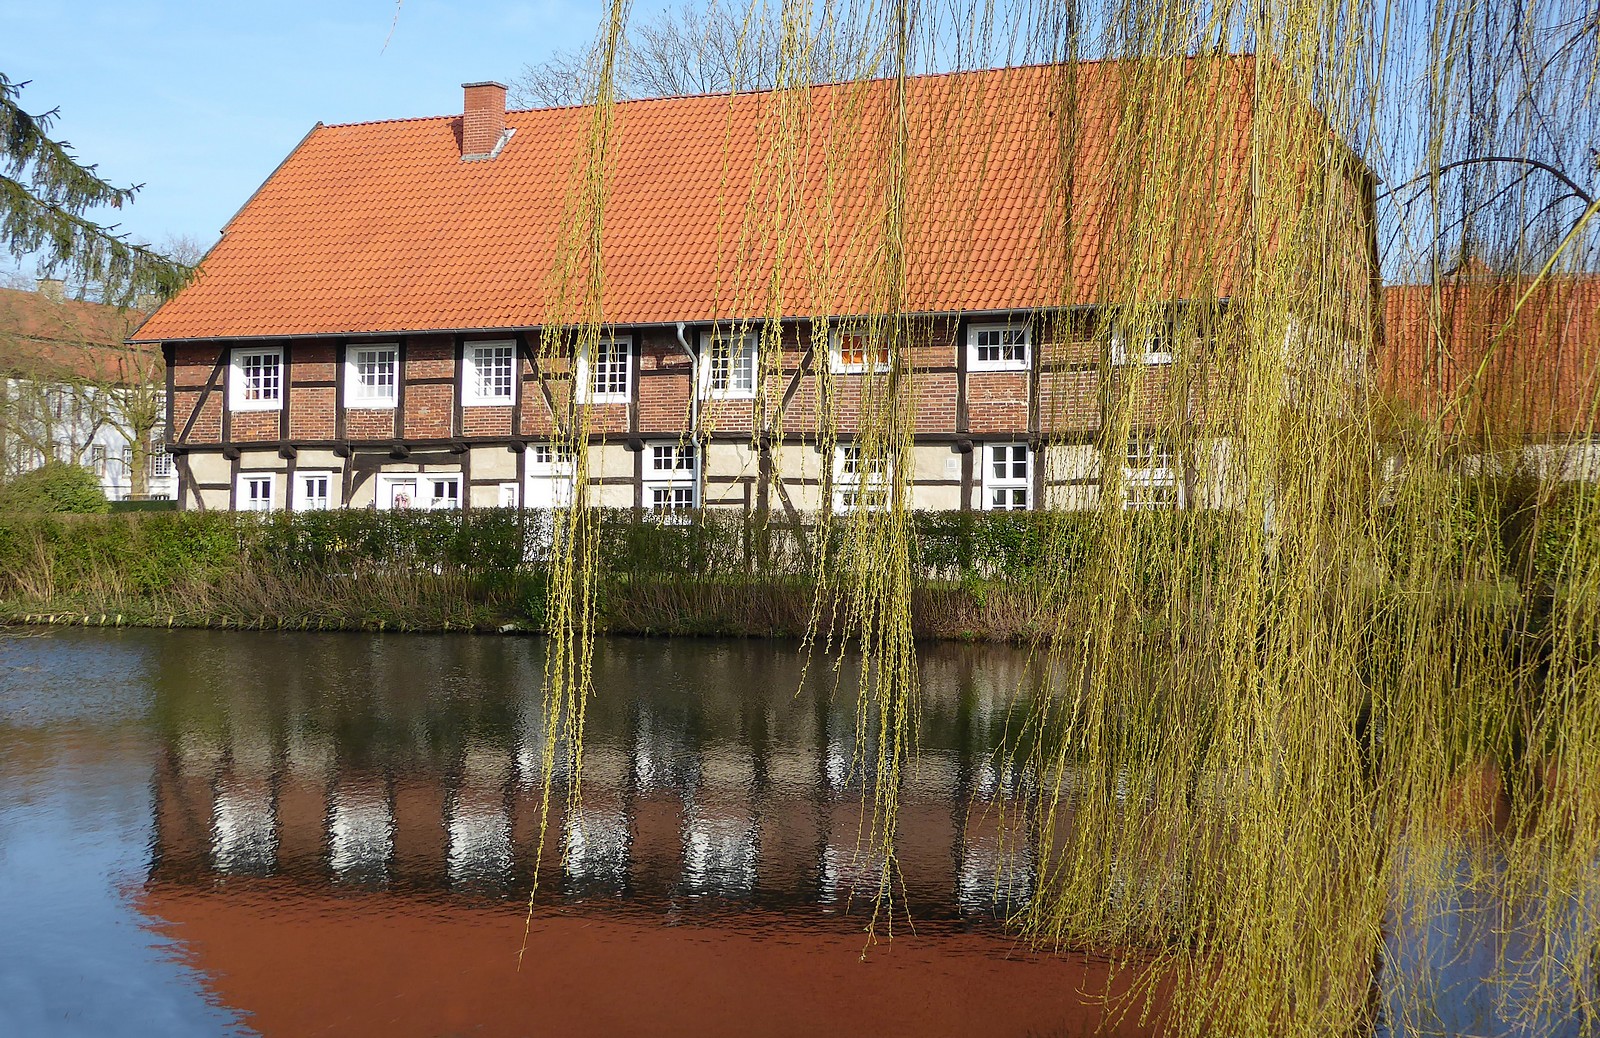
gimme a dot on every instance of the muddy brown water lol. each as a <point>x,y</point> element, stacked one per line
<point>207,833</point>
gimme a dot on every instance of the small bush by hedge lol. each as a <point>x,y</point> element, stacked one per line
<point>55,487</point>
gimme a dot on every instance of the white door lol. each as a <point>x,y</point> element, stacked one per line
<point>400,493</point>
<point>549,492</point>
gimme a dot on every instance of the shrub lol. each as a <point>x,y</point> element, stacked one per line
<point>55,487</point>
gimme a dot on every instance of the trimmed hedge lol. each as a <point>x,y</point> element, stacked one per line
<point>147,553</point>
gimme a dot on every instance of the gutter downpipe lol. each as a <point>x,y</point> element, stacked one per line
<point>694,380</point>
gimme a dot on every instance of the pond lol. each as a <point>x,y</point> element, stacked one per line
<point>211,833</point>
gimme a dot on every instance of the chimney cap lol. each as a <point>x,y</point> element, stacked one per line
<point>483,83</point>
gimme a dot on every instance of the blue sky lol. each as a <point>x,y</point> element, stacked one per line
<point>200,101</point>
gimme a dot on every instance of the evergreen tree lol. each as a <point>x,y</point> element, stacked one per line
<point>45,193</point>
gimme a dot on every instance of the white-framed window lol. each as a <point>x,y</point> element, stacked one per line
<point>671,477</point>
<point>728,365</point>
<point>1007,477</point>
<point>550,469</point>
<point>371,375</point>
<point>429,490</point>
<point>855,351</point>
<point>160,460</point>
<point>509,498</point>
<point>127,461</point>
<point>999,347</point>
<point>1150,346</point>
<point>255,378</point>
<point>490,375</point>
<point>607,376</point>
<point>97,459</point>
<point>255,492</point>
<point>860,481</point>
<point>313,491</point>
<point>1150,473</point>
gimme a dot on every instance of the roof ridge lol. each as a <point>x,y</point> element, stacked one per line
<point>730,94</point>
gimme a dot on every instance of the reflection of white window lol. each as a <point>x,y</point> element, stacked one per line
<point>312,491</point>
<point>360,833</point>
<point>851,872</point>
<point>597,847</point>
<point>997,347</point>
<point>604,376</point>
<point>370,376</point>
<point>1146,346</point>
<point>490,377</point>
<point>480,841</point>
<point>719,856</point>
<point>994,875</point>
<point>860,480</point>
<point>671,477</point>
<point>255,493</point>
<point>255,379</point>
<point>850,351</point>
<point>1150,474</point>
<point>419,490</point>
<point>244,833</point>
<point>728,366</point>
<point>1007,477</point>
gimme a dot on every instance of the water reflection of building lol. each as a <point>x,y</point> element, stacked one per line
<point>712,791</point>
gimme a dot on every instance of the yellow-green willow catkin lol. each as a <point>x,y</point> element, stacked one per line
<point>1286,708</point>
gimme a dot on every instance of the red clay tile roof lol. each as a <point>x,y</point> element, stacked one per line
<point>1541,377</point>
<point>381,227</point>
<point>43,337</point>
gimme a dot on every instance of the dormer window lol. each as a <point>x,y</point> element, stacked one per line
<point>1148,346</point>
<point>853,352</point>
<point>728,366</point>
<point>255,379</point>
<point>371,375</point>
<point>606,376</point>
<point>998,347</point>
<point>490,375</point>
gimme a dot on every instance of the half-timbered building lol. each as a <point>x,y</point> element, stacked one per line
<point>386,322</point>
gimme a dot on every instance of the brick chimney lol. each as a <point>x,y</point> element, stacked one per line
<point>53,289</point>
<point>483,120</point>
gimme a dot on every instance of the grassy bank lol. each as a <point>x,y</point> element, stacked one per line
<point>979,576</point>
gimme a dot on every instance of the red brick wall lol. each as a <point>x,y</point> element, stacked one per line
<point>1069,402</point>
<point>254,425</point>
<point>430,409</point>
<point>486,421</point>
<point>664,397</point>
<point>369,423</point>
<point>997,401</point>
<point>191,367</point>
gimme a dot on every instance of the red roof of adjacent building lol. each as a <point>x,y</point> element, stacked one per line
<point>714,210</point>
<point>1529,371</point>
<point>44,336</point>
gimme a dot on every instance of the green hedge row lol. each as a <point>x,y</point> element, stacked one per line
<point>147,552</point>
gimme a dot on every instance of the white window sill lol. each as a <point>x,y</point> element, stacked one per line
<point>502,401</point>
<point>606,398</point>
<point>372,405</point>
<point>255,405</point>
<point>732,394</point>
<point>999,365</point>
